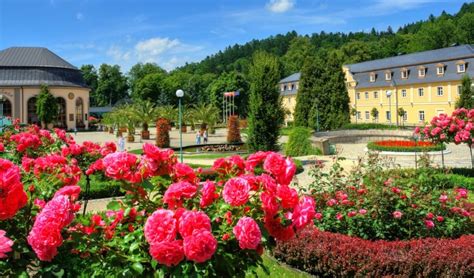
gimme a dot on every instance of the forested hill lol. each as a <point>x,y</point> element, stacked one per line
<point>435,32</point>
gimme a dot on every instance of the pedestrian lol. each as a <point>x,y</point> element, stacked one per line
<point>205,136</point>
<point>198,138</point>
<point>121,143</point>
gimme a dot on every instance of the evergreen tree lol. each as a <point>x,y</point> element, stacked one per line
<point>465,99</point>
<point>112,85</point>
<point>91,79</point>
<point>138,72</point>
<point>265,109</point>
<point>46,106</point>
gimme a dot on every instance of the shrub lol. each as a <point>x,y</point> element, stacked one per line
<point>404,146</point>
<point>328,254</point>
<point>163,133</point>
<point>101,188</point>
<point>233,130</point>
<point>299,143</point>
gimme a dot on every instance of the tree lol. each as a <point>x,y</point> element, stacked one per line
<point>401,114</point>
<point>112,85</point>
<point>265,109</point>
<point>300,49</point>
<point>138,72</point>
<point>89,73</point>
<point>229,82</point>
<point>466,97</point>
<point>150,87</point>
<point>46,106</point>
<point>375,114</point>
<point>146,111</point>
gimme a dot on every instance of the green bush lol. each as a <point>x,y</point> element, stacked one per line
<point>299,143</point>
<point>374,147</point>
<point>100,188</point>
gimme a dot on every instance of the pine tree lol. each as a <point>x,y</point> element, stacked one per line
<point>46,106</point>
<point>465,99</point>
<point>265,109</point>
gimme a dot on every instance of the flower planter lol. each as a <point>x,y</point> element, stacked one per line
<point>145,134</point>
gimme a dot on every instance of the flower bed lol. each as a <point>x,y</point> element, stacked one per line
<point>328,254</point>
<point>404,146</point>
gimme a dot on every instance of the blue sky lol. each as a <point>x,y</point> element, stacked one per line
<point>172,32</point>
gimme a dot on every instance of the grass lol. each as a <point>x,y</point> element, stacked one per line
<point>276,270</point>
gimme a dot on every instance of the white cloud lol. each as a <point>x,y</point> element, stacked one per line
<point>149,50</point>
<point>118,54</point>
<point>280,6</point>
<point>79,16</point>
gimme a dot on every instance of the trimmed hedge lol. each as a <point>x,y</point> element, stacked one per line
<point>326,254</point>
<point>374,147</point>
<point>299,143</point>
<point>365,126</point>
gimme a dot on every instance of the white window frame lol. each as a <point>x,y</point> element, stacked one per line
<point>463,65</point>
<point>367,115</point>
<point>404,93</point>
<point>421,115</point>
<point>372,77</point>
<point>366,95</point>
<point>359,115</point>
<point>358,96</point>
<point>459,90</point>
<point>440,70</point>
<point>404,74</point>
<point>388,76</point>
<point>421,72</point>
<point>422,91</point>
<point>440,91</point>
<point>405,116</point>
<point>284,88</point>
<point>388,115</point>
<point>376,94</point>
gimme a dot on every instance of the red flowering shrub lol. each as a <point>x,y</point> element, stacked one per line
<point>5,244</point>
<point>404,146</point>
<point>12,195</point>
<point>334,255</point>
<point>163,133</point>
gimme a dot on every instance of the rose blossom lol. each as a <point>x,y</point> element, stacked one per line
<point>160,226</point>
<point>429,224</point>
<point>440,218</point>
<point>168,253</point>
<point>282,169</point>
<point>318,216</point>
<point>200,246</point>
<point>5,244</point>
<point>429,215</point>
<point>362,211</point>
<point>247,233</point>
<point>443,198</point>
<point>208,194</point>
<point>177,192</point>
<point>12,195</point>
<point>236,191</point>
<point>193,220</point>
<point>351,213</point>
<point>397,214</point>
<point>183,172</point>
<point>339,216</point>
<point>304,212</point>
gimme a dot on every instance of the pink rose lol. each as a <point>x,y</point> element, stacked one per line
<point>208,194</point>
<point>247,233</point>
<point>12,195</point>
<point>429,224</point>
<point>168,253</point>
<point>351,213</point>
<point>331,202</point>
<point>236,191</point>
<point>339,216</point>
<point>362,211</point>
<point>318,216</point>
<point>5,244</point>
<point>200,246</point>
<point>288,196</point>
<point>440,218</point>
<point>397,214</point>
<point>177,192</point>
<point>304,212</point>
<point>429,215</point>
<point>183,172</point>
<point>443,198</point>
<point>282,169</point>
<point>161,226</point>
<point>193,220</point>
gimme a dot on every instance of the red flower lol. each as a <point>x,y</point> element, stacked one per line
<point>247,233</point>
<point>200,246</point>
<point>282,169</point>
<point>168,253</point>
<point>254,160</point>
<point>160,226</point>
<point>236,191</point>
<point>208,194</point>
<point>183,172</point>
<point>277,230</point>
<point>397,214</point>
<point>177,192</point>
<point>5,244</point>
<point>288,196</point>
<point>304,212</point>
<point>12,195</point>
<point>193,220</point>
<point>121,166</point>
<point>429,224</point>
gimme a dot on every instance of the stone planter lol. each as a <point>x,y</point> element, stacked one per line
<point>130,138</point>
<point>145,134</point>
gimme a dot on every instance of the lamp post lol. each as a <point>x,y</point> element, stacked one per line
<point>180,94</point>
<point>389,94</point>
<point>1,112</point>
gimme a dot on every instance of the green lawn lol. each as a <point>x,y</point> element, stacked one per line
<point>276,270</point>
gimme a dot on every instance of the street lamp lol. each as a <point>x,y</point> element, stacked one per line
<point>180,94</point>
<point>1,112</point>
<point>389,94</point>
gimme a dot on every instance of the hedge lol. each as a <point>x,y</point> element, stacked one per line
<point>373,146</point>
<point>365,126</point>
<point>326,254</point>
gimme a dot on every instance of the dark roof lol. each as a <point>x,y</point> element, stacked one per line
<point>32,57</point>
<point>34,66</point>
<point>425,57</point>
<point>292,78</point>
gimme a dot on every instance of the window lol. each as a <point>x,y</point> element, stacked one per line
<point>359,115</point>
<point>421,72</point>
<point>388,114</point>
<point>461,68</point>
<point>366,95</point>
<point>421,92</point>
<point>296,86</point>
<point>292,87</point>
<point>440,91</point>
<point>372,77</point>
<point>421,116</point>
<point>357,95</point>
<point>284,88</point>
<point>404,93</point>
<point>79,113</point>
<point>440,70</point>
<point>405,116</point>
<point>404,73</point>
<point>367,115</point>
<point>388,75</point>
<point>376,94</point>
<point>459,89</point>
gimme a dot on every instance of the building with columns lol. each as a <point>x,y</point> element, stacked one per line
<point>24,69</point>
<point>424,84</point>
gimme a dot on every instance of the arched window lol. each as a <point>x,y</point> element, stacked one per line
<point>6,106</point>
<point>61,121</point>
<point>79,113</point>
<point>32,116</point>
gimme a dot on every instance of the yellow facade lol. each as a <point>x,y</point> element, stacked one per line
<point>288,92</point>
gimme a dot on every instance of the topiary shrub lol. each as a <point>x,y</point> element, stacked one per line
<point>299,143</point>
<point>163,133</point>
<point>233,130</point>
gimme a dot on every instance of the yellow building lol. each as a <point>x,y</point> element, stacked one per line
<point>288,90</point>
<point>424,84</point>
<point>24,69</point>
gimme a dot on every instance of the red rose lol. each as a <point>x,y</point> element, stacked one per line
<point>193,220</point>
<point>200,246</point>
<point>5,244</point>
<point>168,253</point>
<point>247,233</point>
<point>236,191</point>
<point>12,195</point>
<point>175,194</point>
<point>208,194</point>
<point>282,169</point>
<point>160,227</point>
<point>304,212</point>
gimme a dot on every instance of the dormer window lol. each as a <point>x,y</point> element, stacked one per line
<point>388,75</point>
<point>440,69</point>
<point>461,66</point>
<point>421,71</point>
<point>372,77</point>
<point>404,73</point>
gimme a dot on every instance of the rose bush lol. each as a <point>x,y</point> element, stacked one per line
<point>170,222</point>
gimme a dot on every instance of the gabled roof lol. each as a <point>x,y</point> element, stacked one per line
<point>425,57</point>
<point>32,57</point>
<point>292,78</point>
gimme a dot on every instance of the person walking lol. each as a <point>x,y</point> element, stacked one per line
<point>121,143</point>
<point>198,137</point>
<point>205,136</point>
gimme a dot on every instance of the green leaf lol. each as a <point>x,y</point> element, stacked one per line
<point>138,267</point>
<point>113,205</point>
